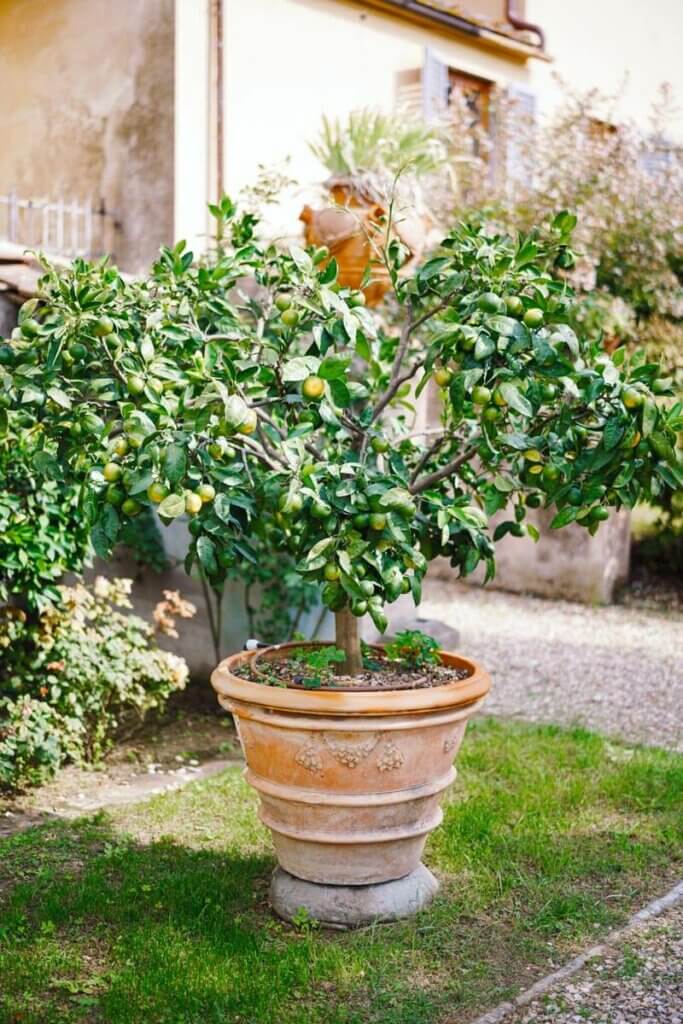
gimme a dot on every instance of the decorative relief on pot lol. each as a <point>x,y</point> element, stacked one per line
<point>350,753</point>
<point>309,757</point>
<point>390,758</point>
<point>451,743</point>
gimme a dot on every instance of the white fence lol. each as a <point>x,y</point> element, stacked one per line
<point>60,227</point>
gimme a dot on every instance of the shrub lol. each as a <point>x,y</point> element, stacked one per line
<point>43,533</point>
<point>79,672</point>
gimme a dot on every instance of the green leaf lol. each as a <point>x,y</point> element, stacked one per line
<point>172,506</point>
<point>566,516</point>
<point>221,507</point>
<point>378,617</point>
<point>299,368</point>
<point>564,333</point>
<point>60,397</point>
<point>329,274</point>
<point>47,465</point>
<point>301,258</point>
<point>333,367</point>
<point>613,433</point>
<point>344,562</point>
<point>502,484</point>
<point>340,394</point>
<point>649,416</point>
<point>100,541</point>
<point>174,462</point>
<point>140,482</point>
<point>147,349</point>
<point>206,552</point>
<point>318,548</point>
<point>484,347</point>
<point>507,326</point>
<point>515,399</point>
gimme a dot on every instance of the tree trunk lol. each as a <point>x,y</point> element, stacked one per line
<point>348,640</point>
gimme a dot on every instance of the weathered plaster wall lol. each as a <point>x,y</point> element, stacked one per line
<point>86,107</point>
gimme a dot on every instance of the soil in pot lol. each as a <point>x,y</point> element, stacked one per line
<point>312,667</point>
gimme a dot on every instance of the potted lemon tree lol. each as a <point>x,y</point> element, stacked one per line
<point>288,421</point>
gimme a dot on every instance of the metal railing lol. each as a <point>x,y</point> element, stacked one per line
<point>66,228</point>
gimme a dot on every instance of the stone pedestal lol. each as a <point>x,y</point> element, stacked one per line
<point>351,906</point>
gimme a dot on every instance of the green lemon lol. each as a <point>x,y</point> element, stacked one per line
<point>514,305</point>
<point>313,388</point>
<point>207,492</point>
<point>290,317</point>
<point>631,398</point>
<point>135,383</point>
<point>193,503</point>
<point>112,472</point>
<point>533,317</point>
<point>103,326</point>
<point>157,491</point>
<point>489,302</point>
<point>131,507</point>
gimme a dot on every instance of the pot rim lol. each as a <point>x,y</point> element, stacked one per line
<point>227,683</point>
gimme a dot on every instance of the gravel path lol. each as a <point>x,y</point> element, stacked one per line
<point>640,981</point>
<point>617,670</point>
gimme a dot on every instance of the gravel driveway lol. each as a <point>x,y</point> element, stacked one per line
<point>614,669</point>
<point>638,982</point>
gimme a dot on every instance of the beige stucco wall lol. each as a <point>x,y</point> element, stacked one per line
<point>609,44</point>
<point>289,61</point>
<point>86,108</point>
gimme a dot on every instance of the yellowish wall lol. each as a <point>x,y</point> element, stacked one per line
<point>289,61</point>
<point>604,43</point>
<point>86,108</point>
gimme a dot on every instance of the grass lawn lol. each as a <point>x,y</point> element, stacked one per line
<point>158,912</point>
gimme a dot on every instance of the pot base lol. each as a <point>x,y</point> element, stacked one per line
<point>352,906</point>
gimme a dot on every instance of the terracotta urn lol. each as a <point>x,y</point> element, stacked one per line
<point>352,229</point>
<point>350,784</point>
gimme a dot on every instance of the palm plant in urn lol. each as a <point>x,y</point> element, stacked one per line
<point>287,418</point>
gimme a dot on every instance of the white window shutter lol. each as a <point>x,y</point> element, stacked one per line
<point>435,86</point>
<point>522,113</point>
<point>409,92</point>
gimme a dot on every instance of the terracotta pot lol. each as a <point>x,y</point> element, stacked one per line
<point>350,782</point>
<point>348,229</point>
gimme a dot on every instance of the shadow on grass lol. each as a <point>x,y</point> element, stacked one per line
<point>98,926</point>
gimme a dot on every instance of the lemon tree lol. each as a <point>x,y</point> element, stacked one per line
<point>253,394</point>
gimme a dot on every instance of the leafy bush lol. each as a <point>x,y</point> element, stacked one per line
<point>414,649</point>
<point>70,679</point>
<point>43,533</point>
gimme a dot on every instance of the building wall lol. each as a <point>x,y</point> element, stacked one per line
<point>86,108</point>
<point>289,61</point>
<point>608,45</point>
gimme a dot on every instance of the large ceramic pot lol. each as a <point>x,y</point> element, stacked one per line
<point>353,229</point>
<point>350,781</point>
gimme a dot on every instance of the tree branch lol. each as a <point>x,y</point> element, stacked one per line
<point>448,470</point>
<point>426,456</point>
